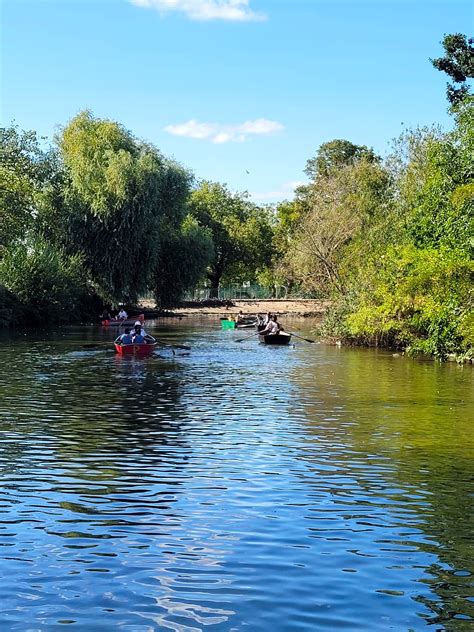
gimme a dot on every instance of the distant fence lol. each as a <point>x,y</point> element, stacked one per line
<point>236,292</point>
<point>239,292</point>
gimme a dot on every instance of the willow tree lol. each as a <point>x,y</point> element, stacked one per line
<point>115,195</point>
<point>185,253</point>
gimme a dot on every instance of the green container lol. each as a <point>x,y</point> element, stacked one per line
<point>227,324</point>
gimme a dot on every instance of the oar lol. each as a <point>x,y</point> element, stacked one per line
<point>163,344</point>
<point>301,338</point>
<point>247,337</point>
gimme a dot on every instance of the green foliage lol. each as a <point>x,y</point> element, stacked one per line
<point>458,63</point>
<point>10,307</point>
<point>47,286</point>
<point>241,231</point>
<point>401,270</point>
<point>334,210</point>
<point>443,209</point>
<point>184,256</point>
<point>418,299</point>
<point>335,154</point>
<point>117,196</point>
<point>25,170</point>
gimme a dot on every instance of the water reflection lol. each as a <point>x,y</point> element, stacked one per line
<point>238,486</point>
<point>400,432</point>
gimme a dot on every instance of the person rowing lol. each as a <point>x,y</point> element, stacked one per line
<point>122,315</point>
<point>125,338</point>
<point>140,336</point>
<point>272,328</point>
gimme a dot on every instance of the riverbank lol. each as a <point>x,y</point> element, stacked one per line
<point>306,308</point>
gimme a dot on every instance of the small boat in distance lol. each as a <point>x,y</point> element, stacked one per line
<point>128,322</point>
<point>276,339</point>
<point>246,325</point>
<point>227,324</point>
<point>143,349</point>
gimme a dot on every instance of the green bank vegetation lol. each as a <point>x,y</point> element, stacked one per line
<point>100,217</point>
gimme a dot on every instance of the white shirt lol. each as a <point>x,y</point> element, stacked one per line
<point>122,314</point>
<point>273,326</point>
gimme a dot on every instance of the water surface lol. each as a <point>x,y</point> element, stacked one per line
<point>235,487</point>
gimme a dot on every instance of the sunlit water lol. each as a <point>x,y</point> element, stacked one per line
<point>233,487</point>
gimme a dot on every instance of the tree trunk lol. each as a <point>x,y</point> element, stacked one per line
<point>214,290</point>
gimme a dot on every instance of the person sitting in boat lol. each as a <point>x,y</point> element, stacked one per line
<point>240,317</point>
<point>125,338</point>
<point>259,320</point>
<point>138,330</point>
<point>122,315</point>
<point>272,329</point>
<point>267,318</point>
<point>137,337</point>
<point>106,315</point>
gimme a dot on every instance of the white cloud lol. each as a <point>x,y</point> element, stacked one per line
<point>219,133</point>
<point>284,192</point>
<point>204,10</point>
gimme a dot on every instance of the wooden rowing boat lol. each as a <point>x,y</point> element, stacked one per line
<point>232,324</point>
<point>245,325</point>
<point>143,349</point>
<point>128,322</point>
<point>276,339</point>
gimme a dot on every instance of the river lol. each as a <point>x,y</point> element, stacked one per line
<point>235,486</point>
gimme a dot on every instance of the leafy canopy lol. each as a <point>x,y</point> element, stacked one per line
<point>458,63</point>
<point>117,197</point>
<point>336,154</point>
<point>241,232</point>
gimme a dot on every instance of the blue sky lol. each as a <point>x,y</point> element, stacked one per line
<point>239,91</point>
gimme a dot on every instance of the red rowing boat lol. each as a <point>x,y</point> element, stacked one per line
<point>128,322</point>
<point>143,349</point>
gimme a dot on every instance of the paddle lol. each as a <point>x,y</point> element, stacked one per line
<point>301,338</point>
<point>163,344</point>
<point>247,337</point>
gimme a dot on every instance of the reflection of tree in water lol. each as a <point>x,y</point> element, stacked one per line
<point>402,426</point>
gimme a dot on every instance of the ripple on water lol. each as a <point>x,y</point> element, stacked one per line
<point>305,488</point>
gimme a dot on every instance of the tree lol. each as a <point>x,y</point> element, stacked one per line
<point>458,63</point>
<point>48,285</point>
<point>25,170</point>
<point>336,154</point>
<point>407,277</point>
<point>442,211</point>
<point>241,233</point>
<point>185,253</point>
<point>337,207</point>
<point>116,196</point>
